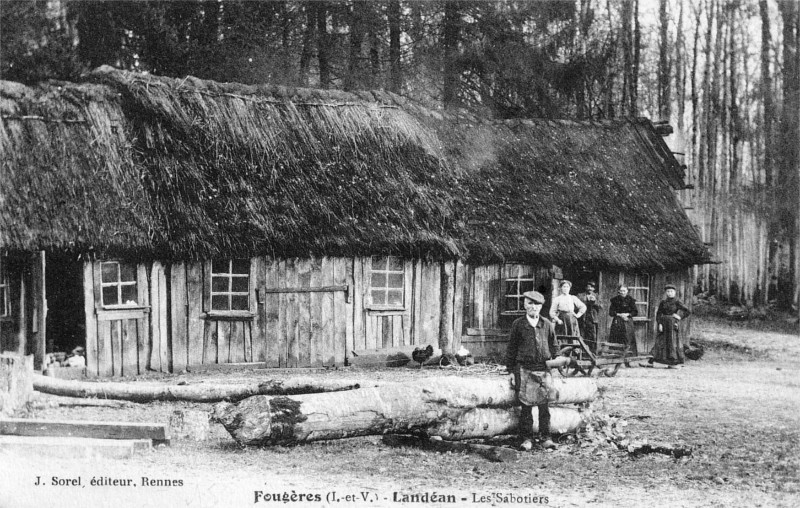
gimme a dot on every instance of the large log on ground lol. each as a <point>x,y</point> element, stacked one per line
<point>487,422</point>
<point>146,392</point>
<point>16,386</point>
<point>421,406</point>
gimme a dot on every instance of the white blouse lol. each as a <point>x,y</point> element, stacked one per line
<point>567,303</point>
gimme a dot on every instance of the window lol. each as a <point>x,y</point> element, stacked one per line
<point>5,304</point>
<point>118,284</point>
<point>639,289</point>
<point>519,280</point>
<point>230,285</point>
<point>387,282</point>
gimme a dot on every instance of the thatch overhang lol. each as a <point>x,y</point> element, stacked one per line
<point>594,194</point>
<point>130,165</point>
<point>134,165</point>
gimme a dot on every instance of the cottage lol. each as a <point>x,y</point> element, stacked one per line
<point>169,224</point>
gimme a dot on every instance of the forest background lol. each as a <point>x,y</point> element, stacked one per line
<point>725,74</point>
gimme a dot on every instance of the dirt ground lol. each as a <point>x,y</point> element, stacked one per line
<point>738,408</point>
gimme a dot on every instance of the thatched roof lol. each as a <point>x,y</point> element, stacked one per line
<point>132,165</point>
<point>572,193</point>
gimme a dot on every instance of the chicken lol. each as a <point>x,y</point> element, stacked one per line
<point>464,357</point>
<point>421,355</point>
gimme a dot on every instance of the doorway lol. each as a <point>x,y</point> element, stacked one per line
<point>66,323</point>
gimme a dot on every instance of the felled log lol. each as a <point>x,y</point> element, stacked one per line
<point>487,422</point>
<point>492,453</point>
<point>432,406</point>
<point>146,392</point>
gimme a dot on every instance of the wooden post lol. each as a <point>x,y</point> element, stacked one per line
<point>39,309</point>
<point>16,382</point>
<point>447,292</point>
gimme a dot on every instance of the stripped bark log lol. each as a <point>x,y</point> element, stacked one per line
<point>453,408</point>
<point>146,392</point>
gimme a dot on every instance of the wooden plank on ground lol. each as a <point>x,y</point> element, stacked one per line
<point>90,320</point>
<point>92,429</point>
<point>75,447</point>
<point>178,313</point>
<point>195,322</point>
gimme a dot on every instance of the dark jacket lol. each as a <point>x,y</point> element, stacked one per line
<point>622,305</point>
<point>670,306</point>
<point>531,347</point>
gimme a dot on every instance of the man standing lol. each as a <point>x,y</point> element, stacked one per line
<point>590,319</point>
<point>532,347</point>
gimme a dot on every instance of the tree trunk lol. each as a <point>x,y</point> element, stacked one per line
<point>450,35</point>
<point>322,44</point>
<point>308,41</point>
<point>395,74</point>
<point>144,392</point>
<point>353,79</point>
<point>664,74</point>
<point>447,407</point>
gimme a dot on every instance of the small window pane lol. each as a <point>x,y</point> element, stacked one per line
<point>525,286</point>
<point>220,266</point>
<point>127,273</point>
<point>379,297</point>
<point>129,294</point>
<point>241,266</point>
<point>109,271</point>
<point>219,284</point>
<point>395,280</point>
<point>511,287</point>
<point>239,302</point>
<point>240,285</point>
<point>395,297</point>
<point>219,302</point>
<point>2,301</point>
<point>395,264</point>
<point>110,296</point>
<point>378,280</point>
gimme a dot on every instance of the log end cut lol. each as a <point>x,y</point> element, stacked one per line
<point>260,420</point>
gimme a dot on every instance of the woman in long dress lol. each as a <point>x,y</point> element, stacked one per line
<point>669,346</point>
<point>565,310</point>
<point>623,310</point>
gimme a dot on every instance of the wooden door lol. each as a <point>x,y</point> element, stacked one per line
<point>303,311</point>
<point>118,327</point>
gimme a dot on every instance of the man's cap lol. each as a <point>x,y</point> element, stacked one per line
<point>669,286</point>
<point>535,296</point>
<point>592,283</point>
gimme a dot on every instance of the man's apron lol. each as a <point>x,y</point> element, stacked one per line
<point>535,387</point>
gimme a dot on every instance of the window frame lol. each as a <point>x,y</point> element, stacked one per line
<point>386,288</point>
<point>518,278</point>
<point>632,291</point>
<point>119,283</point>
<point>230,293</point>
